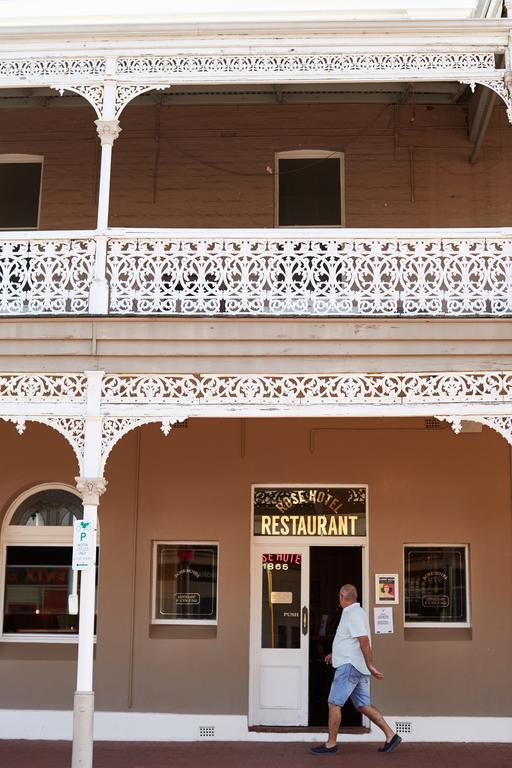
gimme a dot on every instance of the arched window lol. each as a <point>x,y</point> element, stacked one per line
<point>40,590</point>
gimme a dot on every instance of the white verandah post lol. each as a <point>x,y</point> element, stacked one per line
<point>108,130</point>
<point>91,485</point>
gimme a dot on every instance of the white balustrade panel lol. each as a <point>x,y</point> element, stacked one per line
<point>45,275</point>
<point>291,275</point>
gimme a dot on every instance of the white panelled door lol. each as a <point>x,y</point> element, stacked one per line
<point>280,635</point>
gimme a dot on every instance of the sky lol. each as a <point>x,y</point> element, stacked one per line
<point>100,10</point>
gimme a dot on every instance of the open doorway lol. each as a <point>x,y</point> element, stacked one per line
<point>330,568</point>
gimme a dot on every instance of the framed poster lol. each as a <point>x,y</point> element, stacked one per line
<point>436,585</point>
<point>386,588</point>
<point>185,579</point>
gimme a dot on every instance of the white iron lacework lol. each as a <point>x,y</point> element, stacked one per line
<point>310,277</point>
<point>500,424</point>
<point>70,427</point>
<point>56,388</point>
<point>91,93</point>
<point>114,428</point>
<point>126,93</point>
<point>282,389</point>
<point>45,276</point>
<point>499,87</point>
<point>47,68</point>
<point>187,67</point>
<point>18,421</point>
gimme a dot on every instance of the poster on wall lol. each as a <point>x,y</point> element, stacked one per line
<point>435,584</point>
<point>185,583</point>
<point>310,511</point>
<point>386,588</point>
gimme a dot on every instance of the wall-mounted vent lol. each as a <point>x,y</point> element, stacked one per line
<point>402,726</point>
<point>206,731</point>
<point>433,423</point>
<point>180,424</point>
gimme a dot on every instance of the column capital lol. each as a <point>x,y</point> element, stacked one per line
<point>91,488</point>
<point>108,130</point>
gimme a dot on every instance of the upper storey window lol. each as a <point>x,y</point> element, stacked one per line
<point>20,191</point>
<point>309,189</point>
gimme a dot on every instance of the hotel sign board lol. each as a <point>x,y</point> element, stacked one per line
<point>310,511</point>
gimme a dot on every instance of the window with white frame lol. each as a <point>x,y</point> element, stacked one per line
<point>436,585</point>
<point>20,191</point>
<point>185,580</point>
<point>40,593</point>
<point>309,189</point>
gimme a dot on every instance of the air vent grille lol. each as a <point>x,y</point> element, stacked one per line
<point>403,727</point>
<point>206,731</point>
<point>433,423</point>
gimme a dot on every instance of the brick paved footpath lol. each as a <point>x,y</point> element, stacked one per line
<point>44,754</point>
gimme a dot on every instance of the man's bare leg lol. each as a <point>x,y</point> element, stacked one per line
<point>376,717</point>
<point>334,724</point>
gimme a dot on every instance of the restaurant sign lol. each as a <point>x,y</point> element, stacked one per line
<point>310,511</point>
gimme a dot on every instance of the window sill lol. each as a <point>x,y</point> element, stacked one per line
<point>439,633</point>
<point>26,637</point>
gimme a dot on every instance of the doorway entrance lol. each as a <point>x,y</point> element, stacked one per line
<point>294,617</point>
<point>329,569</point>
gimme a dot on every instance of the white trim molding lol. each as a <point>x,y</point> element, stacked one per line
<point>33,724</point>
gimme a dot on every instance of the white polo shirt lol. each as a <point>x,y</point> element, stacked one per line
<point>345,648</point>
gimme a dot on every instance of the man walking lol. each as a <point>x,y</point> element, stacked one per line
<point>353,660</point>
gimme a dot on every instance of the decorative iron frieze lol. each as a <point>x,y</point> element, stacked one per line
<point>308,388</point>
<point>42,387</point>
<point>293,65</point>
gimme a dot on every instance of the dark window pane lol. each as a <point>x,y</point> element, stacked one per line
<point>309,192</point>
<point>186,582</point>
<point>280,600</point>
<point>52,507</point>
<point>435,584</point>
<point>38,584</point>
<point>19,195</point>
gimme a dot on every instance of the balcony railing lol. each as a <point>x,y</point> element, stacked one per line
<point>269,272</point>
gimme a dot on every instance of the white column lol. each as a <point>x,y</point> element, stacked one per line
<point>90,485</point>
<point>108,130</point>
<point>83,710</point>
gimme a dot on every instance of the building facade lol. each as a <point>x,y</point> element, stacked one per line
<point>255,334</point>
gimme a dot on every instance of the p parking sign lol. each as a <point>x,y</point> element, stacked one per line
<point>84,545</point>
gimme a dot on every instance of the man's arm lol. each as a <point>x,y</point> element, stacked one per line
<point>366,650</point>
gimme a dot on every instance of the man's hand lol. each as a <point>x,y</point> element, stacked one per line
<point>328,658</point>
<point>366,650</point>
<point>375,672</point>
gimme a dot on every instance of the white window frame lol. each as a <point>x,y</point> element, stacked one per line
<point>6,159</point>
<point>183,622</point>
<point>308,154</point>
<point>439,624</point>
<point>33,536</point>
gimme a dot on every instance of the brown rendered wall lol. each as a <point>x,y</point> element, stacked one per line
<point>424,487</point>
<point>205,166</point>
